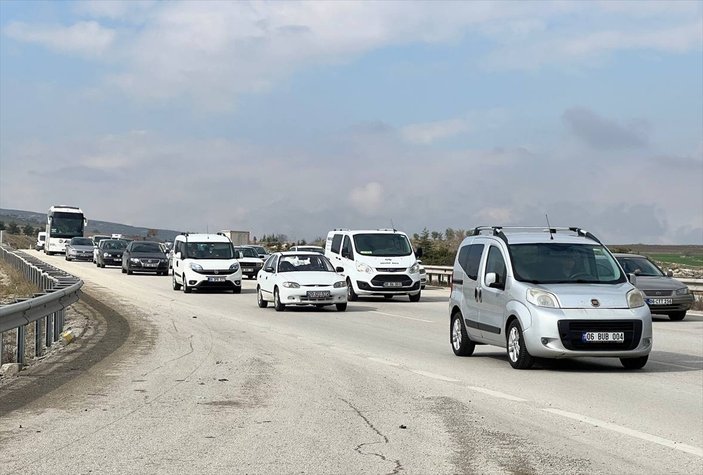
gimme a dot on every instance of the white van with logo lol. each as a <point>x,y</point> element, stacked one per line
<point>377,262</point>
<point>205,261</point>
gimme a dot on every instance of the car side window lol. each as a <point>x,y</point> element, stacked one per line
<point>336,243</point>
<point>496,263</point>
<point>347,248</point>
<point>471,259</point>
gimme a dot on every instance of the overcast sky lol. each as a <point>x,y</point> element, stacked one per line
<point>296,118</point>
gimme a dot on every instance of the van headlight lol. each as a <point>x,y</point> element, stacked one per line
<point>682,291</point>
<point>634,299</point>
<point>340,284</point>
<point>234,267</point>
<point>196,267</point>
<point>105,254</point>
<point>542,298</point>
<point>414,269</point>
<point>134,260</point>
<point>291,285</point>
<point>361,267</point>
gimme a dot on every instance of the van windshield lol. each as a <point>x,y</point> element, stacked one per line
<point>561,263</point>
<point>382,245</point>
<point>209,250</point>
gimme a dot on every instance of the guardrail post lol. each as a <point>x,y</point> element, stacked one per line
<point>38,350</point>
<point>2,350</point>
<point>49,329</point>
<point>56,326</point>
<point>21,335</point>
<point>62,317</point>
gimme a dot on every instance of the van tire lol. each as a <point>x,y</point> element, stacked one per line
<point>175,285</point>
<point>237,290</point>
<point>634,363</point>
<point>415,298</point>
<point>341,307</point>
<point>124,271</point>
<point>277,301</point>
<point>351,295</point>
<point>260,298</point>
<point>518,356</point>
<point>186,288</point>
<point>458,338</point>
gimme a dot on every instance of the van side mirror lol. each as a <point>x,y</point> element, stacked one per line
<point>339,270</point>
<point>492,281</point>
<point>632,278</point>
<point>418,252</point>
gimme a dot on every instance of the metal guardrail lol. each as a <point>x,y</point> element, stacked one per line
<point>45,309</point>
<point>443,275</point>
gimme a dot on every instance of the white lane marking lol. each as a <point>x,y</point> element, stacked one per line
<point>631,432</point>
<point>401,316</point>
<point>497,394</point>
<point>385,362</point>
<point>433,375</point>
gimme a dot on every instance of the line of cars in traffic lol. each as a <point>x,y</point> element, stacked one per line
<point>538,292</point>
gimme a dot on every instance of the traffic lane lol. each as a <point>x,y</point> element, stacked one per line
<point>579,387</point>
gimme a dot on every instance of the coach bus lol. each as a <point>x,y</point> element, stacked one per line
<point>62,224</point>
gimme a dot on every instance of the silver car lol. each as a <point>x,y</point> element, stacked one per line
<point>545,292</point>
<point>662,292</point>
<point>79,248</point>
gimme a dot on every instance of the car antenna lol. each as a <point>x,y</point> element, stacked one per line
<point>551,236</point>
<point>393,226</point>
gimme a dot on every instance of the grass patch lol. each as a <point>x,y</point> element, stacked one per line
<point>13,284</point>
<point>684,260</point>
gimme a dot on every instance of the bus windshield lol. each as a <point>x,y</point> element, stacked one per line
<point>66,225</point>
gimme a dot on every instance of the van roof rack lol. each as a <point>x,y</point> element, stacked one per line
<point>498,231</point>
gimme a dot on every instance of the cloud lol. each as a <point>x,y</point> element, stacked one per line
<point>430,132</point>
<point>87,38</point>
<point>604,134</point>
<point>367,199</point>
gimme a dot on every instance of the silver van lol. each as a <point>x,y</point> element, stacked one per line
<point>545,293</point>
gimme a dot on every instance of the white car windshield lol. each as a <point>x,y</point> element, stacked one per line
<point>304,262</point>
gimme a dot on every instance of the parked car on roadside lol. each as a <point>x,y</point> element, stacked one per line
<point>550,293</point>
<point>300,278</point>
<point>109,252</point>
<point>144,256</point>
<point>664,294</point>
<point>79,248</point>
<point>249,260</point>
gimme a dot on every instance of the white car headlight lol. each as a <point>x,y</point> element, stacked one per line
<point>291,285</point>
<point>340,284</point>
<point>361,267</point>
<point>234,267</point>
<point>542,298</point>
<point>634,299</point>
<point>682,291</point>
<point>196,267</point>
<point>72,251</point>
<point>105,254</point>
<point>414,269</point>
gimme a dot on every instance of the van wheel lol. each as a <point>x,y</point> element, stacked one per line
<point>277,301</point>
<point>124,271</point>
<point>341,307</point>
<point>186,288</point>
<point>237,290</point>
<point>176,285</point>
<point>260,298</point>
<point>129,272</point>
<point>518,356</point>
<point>461,343</point>
<point>677,316</point>
<point>351,295</point>
<point>634,363</point>
<point>415,298</point>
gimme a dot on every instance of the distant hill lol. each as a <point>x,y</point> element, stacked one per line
<point>94,227</point>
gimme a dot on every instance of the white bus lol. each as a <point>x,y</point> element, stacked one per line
<point>62,224</point>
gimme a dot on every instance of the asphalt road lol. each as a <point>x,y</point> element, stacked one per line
<point>166,382</point>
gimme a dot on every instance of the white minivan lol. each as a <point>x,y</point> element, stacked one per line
<point>205,261</point>
<point>376,262</point>
<point>41,240</point>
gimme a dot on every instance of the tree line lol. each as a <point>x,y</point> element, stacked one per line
<point>439,248</point>
<point>14,228</point>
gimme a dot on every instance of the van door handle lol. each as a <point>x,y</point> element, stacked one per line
<point>480,299</point>
<point>475,294</point>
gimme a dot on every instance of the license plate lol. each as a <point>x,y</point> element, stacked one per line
<point>659,301</point>
<point>392,284</point>
<point>603,337</point>
<point>215,279</point>
<point>318,294</point>
<point>150,265</point>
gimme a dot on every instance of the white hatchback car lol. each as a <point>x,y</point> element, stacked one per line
<point>300,278</point>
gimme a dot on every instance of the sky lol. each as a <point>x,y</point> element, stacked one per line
<point>300,117</point>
